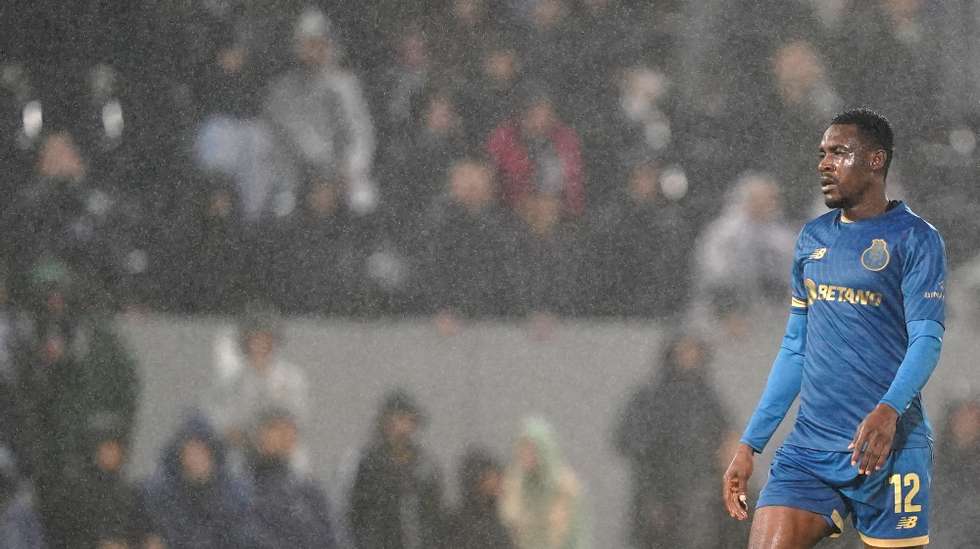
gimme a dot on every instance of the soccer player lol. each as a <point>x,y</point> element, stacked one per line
<point>864,334</point>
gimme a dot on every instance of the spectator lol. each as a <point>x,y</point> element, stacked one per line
<point>957,479</point>
<point>20,527</point>
<point>476,523</point>
<point>460,34</point>
<point>542,502</point>
<point>322,114</point>
<point>639,247</point>
<point>193,500</point>
<point>805,98</point>
<point>547,39</point>
<point>101,508</point>
<point>291,512</point>
<point>669,433</point>
<point>66,213</point>
<point>742,257</point>
<point>489,97</point>
<point>469,265</point>
<point>402,83</point>
<point>642,120</point>
<point>73,365</point>
<point>415,174</point>
<point>318,255</point>
<point>234,144</point>
<point>535,153</point>
<point>251,375</point>
<point>210,264</point>
<point>396,498</point>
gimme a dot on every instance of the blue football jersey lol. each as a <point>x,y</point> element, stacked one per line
<point>859,283</point>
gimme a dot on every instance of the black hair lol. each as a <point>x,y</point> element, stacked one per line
<point>874,128</point>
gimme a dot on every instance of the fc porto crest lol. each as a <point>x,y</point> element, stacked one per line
<point>876,256</point>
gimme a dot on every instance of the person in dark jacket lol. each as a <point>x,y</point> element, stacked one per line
<point>193,501</point>
<point>20,526</point>
<point>669,433</point>
<point>396,499</point>
<point>291,512</point>
<point>102,508</point>
<point>957,479</point>
<point>476,523</point>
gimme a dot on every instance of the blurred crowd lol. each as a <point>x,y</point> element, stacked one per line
<point>454,158</point>
<point>462,158</point>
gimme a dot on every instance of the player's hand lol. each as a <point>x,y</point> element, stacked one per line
<point>873,440</point>
<point>736,481</point>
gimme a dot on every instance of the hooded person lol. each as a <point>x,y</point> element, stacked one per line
<point>20,527</point>
<point>291,511</point>
<point>396,498</point>
<point>542,502</point>
<point>670,432</point>
<point>476,523</point>
<point>102,507</point>
<point>193,501</point>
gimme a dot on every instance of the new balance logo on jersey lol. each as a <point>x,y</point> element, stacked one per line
<point>818,253</point>
<point>907,523</point>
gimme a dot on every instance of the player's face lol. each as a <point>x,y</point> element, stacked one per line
<point>845,171</point>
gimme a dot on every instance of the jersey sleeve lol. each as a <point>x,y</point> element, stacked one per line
<point>798,300</point>
<point>923,277</point>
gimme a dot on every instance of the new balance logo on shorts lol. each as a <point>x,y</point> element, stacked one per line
<point>907,523</point>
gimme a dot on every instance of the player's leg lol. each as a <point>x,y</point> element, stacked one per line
<point>777,527</point>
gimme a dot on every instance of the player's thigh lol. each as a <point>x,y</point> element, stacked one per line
<point>777,527</point>
<point>891,508</point>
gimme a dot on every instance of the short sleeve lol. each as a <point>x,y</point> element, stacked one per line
<point>798,300</point>
<point>924,276</point>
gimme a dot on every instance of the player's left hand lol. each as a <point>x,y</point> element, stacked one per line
<point>873,440</point>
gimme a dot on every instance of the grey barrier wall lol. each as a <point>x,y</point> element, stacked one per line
<point>476,386</point>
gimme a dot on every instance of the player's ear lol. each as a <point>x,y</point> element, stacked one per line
<point>878,159</point>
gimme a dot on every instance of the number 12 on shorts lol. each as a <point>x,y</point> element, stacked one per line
<point>911,481</point>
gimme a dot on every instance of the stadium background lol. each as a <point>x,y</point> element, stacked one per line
<point>194,183</point>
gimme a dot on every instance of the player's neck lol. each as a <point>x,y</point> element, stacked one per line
<point>866,209</point>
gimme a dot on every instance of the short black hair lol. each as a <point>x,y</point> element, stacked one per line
<point>875,129</point>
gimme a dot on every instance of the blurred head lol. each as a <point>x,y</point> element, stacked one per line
<point>276,436</point>
<point>259,331</point>
<point>412,47</point>
<point>643,87</point>
<point>687,355</point>
<point>539,116</point>
<point>480,477</point>
<point>758,197</point>
<point>440,115</point>
<point>322,199</point>
<point>400,418</point>
<point>855,153</point>
<point>106,432</point>
<point>313,39</point>
<point>501,64</point>
<point>644,182</point>
<point>964,425</point>
<point>536,450</point>
<point>546,14</point>
<point>196,461</point>
<point>469,13</point>
<point>471,184</point>
<point>797,68</point>
<point>60,158</point>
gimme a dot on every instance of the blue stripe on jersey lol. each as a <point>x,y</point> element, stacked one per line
<point>861,283</point>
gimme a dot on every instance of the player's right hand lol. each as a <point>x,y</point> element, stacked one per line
<point>735,483</point>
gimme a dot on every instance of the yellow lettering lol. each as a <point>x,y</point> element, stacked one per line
<point>822,291</point>
<point>875,299</point>
<point>848,295</point>
<point>830,292</point>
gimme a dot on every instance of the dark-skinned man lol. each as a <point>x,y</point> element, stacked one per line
<point>863,337</point>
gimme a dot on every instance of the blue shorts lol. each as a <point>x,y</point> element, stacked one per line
<point>889,508</point>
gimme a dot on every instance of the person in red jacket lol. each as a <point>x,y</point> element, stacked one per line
<point>535,153</point>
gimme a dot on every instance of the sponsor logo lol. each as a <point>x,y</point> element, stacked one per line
<point>840,294</point>
<point>818,254</point>
<point>907,523</point>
